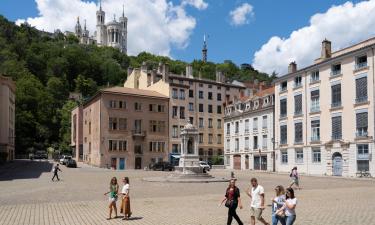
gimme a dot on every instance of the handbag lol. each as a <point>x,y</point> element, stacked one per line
<point>228,203</point>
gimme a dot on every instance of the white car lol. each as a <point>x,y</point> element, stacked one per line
<point>204,165</point>
<point>64,159</point>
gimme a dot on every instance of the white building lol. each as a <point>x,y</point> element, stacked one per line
<point>113,33</point>
<point>249,132</point>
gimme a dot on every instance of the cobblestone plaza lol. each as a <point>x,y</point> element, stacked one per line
<point>28,196</point>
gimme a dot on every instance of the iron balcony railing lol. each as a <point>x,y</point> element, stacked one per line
<point>360,65</point>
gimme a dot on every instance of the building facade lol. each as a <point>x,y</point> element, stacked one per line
<point>248,132</point>
<point>324,113</point>
<point>124,128</point>
<point>198,100</point>
<point>77,133</point>
<point>7,118</point>
<point>113,34</point>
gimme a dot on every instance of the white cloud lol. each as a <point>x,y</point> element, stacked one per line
<point>239,16</point>
<point>153,25</point>
<point>199,4</point>
<point>343,25</point>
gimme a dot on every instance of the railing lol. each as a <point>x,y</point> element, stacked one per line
<point>246,131</point>
<point>337,137</point>
<point>298,113</point>
<point>361,99</point>
<point>283,89</point>
<point>363,156</point>
<point>335,73</point>
<point>360,65</point>
<point>255,129</point>
<point>361,133</point>
<point>283,142</point>
<point>283,115</point>
<point>138,133</point>
<point>314,79</point>
<point>297,141</point>
<point>315,108</point>
<point>297,85</point>
<point>255,147</point>
<point>315,138</point>
<point>335,104</point>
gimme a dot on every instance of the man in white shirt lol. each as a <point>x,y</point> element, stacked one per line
<point>257,201</point>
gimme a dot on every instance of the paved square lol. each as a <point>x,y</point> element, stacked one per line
<point>29,197</point>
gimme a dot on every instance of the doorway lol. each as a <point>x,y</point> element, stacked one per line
<point>122,164</point>
<point>138,163</point>
<point>237,162</point>
<point>114,163</point>
<point>337,164</point>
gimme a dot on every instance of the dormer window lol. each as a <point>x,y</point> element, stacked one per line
<point>298,81</point>
<point>284,86</point>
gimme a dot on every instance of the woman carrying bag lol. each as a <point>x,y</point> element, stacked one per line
<point>232,200</point>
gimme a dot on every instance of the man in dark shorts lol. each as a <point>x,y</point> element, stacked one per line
<point>56,169</point>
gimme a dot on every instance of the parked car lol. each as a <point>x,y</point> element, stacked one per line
<point>71,163</point>
<point>162,166</point>
<point>204,165</point>
<point>39,155</point>
<point>64,159</point>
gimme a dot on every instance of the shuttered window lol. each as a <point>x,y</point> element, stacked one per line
<point>283,108</point>
<point>298,132</point>
<point>336,95</point>
<point>283,134</point>
<point>362,120</point>
<point>361,89</point>
<point>315,94</point>
<point>336,128</point>
<point>298,104</point>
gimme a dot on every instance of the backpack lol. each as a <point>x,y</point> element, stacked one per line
<point>291,174</point>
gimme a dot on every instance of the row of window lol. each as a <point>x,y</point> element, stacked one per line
<point>191,109</point>
<point>360,62</point>
<point>361,128</point>
<point>176,148</point>
<point>121,124</point>
<point>255,145</point>
<point>247,125</point>
<point>180,94</point>
<point>200,84</point>
<point>336,101</point>
<point>362,156</point>
<point>121,145</point>
<point>114,104</point>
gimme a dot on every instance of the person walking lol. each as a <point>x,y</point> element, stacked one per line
<point>125,202</point>
<point>55,171</point>
<point>232,200</point>
<point>277,203</point>
<point>257,202</point>
<point>295,178</point>
<point>113,191</point>
<point>289,207</point>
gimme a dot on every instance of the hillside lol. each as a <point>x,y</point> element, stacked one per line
<point>47,67</point>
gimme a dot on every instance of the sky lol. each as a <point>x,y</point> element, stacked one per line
<point>269,34</point>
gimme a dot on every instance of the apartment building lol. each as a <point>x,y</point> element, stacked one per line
<point>249,132</point>
<point>324,113</point>
<point>124,128</point>
<point>195,99</point>
<point>7,118</point>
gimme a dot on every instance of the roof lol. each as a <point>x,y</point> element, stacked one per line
<point>203,80</point>
<point>265,92</point>
<point>335,55</point>
<point>133,91</point>
<point>8,81</point>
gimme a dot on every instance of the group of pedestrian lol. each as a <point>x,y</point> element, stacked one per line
<point>113,194</point>
<point>283,204</point>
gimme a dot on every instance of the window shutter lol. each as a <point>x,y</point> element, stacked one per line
<point>336,93</point>
<point>298,104</point>
<point>298,132</point>
<point>283,133</point>
<point>336,127</point>
<point>362,120</point>
<point>315,94</point>
<point>361,87</point>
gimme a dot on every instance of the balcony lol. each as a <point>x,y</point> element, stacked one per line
<point>246,131</point>
<point>361,100</point>
<point>336,104</point>
<point>282,89</point>
<point>298,113</point>
<point>337,137</point>
<point>298,141</point>
<point>255,129</point>
<point>138,150</point>
<point>314,108</point>
<point>282,116</point>
<point>359,66</point>
<point>314,80</point>
<point>297,85</point>
<point>255,147</point>
<point>363,156</point>
<point>361,133</point>
<point>283,142</point>
<point>335,73</point>
<point>138,133</point>
<point>315,138</point>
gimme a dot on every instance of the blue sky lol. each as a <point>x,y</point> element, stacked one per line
<point>226,41</point>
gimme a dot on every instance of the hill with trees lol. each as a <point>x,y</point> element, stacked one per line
<point>47,67</point>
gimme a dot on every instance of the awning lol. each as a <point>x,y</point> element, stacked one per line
<point>176,156</point>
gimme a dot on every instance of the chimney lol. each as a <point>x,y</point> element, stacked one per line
<point>130,70</point>
<point>153,76</point>
<point>165,71</point>
<point>219,76</point>
<point>189,71</point>
<point>144,67</point>
<point>326,49</point>
<point>160,68</point>
<point>292,68</point>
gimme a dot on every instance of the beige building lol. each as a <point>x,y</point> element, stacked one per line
<point>124,128</point>
<point>199,100</point>
<point>324,113</point>
<point>249,132</point>
<point>7,118</point>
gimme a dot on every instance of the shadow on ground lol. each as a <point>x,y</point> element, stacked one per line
<point>24,169</point>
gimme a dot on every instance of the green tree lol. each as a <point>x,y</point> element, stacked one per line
<point>65,125</point>
<point>85,86</point>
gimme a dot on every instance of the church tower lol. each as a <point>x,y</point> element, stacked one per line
<point>124,32</point>
<point>204,50</point>
<point>85,35</point>
<point>100,27</point>
<point>78,29</point>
